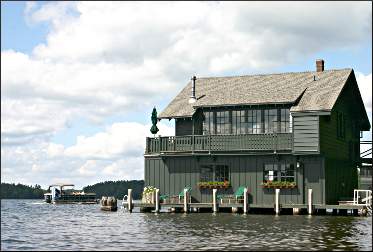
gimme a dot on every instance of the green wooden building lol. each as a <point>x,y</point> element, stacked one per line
<point>299,128</point>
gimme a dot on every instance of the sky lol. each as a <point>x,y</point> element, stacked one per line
<point>79,79</point>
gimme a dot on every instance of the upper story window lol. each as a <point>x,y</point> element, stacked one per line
<point>285,121</point>
<point>208,123</point>
<point>248,121</point>
<point>223,124</point>
<point>239,122</point>
<point>270,120</point>
<point>255,121</point>
<point>340,125</point>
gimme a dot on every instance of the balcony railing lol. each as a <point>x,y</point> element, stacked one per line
<point>214,143</point>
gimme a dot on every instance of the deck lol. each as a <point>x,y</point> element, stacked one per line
<point>272,142</point>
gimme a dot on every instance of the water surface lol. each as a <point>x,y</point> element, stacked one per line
<point>34,225</point>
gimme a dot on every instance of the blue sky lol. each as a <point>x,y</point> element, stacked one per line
<point>85,83</point>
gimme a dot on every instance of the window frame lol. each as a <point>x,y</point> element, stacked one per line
<point>216,175</point>
<point>276,172</point>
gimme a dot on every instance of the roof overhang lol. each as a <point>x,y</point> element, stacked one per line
<point>311,112</point>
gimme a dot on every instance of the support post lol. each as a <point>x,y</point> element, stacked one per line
<point>277,199</point>
<point>157,200</point>
<point>129,199</point>
<point>245,206</point>
<point>185,200</point>
<point>214,201</point>
<point>309,201</point>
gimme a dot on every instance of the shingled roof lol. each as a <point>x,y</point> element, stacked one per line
<point>313,91</point>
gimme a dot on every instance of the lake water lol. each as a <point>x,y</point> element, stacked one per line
<point>34,225</point>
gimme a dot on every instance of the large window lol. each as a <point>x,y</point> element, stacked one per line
<point>279,172</point>
<point>285,120</point>
<point>250,121</point>
<point>218,173</point>
<point>254,119</point>
<point>223,124</point>
<point>270,120</point>
<point>208,123</point>
<point>239,122</point>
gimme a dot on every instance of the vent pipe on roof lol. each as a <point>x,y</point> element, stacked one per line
<point>319,65</point>
<point>193,96</point>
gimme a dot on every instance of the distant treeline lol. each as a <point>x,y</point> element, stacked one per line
<point>117,188</point>
<point>19,191</point>
<point>107,188</point>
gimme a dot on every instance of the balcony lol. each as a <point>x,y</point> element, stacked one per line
<point>271,142</point>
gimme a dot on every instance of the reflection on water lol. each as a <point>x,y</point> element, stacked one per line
<point>32,225</point>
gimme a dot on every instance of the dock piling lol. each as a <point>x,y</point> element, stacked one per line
<point>129,199</point>
<point>309,201</point>
<point>245,205</point>
<point>214,201</point>
<point>157,200</point>
<point>185,200</point>
<point>277,197</point>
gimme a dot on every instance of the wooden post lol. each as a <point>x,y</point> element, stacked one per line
<point>295,211</point>
<point>185,200</point>
<point>277,197</point>
<point>245,207</point>
<point>157,200</point>
<point>309,201</point>
<point>214,201</point>
<point>129,200</point>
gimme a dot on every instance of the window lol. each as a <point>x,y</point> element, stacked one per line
<point>208,123</point>
<point>287,172</point>
<point>340,125</point>
<point>239,122</point>
<point>221,173</point>
<point>279,172</point>
<point>285,120</point>
<point>223,122</point>
<point>270,120</point>
<point>206,173</point>
<point>254,119</point>
<point>218,173</point>
<point>270,172</point>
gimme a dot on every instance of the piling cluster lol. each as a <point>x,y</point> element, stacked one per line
<point>109,203</point>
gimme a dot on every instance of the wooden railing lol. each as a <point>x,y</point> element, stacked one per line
<point>211,143</point>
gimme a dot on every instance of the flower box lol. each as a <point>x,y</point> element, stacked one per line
<point>213,185</point>
<point>279,184</point>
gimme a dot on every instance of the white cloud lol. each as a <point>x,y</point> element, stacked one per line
<point>114,154</point>
<point>365,87</point>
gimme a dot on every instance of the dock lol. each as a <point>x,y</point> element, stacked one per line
<point>358,207</point>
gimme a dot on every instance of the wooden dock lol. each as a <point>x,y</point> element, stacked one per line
<point>344,208</point>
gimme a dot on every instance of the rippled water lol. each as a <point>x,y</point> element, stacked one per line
<point>33,225</point>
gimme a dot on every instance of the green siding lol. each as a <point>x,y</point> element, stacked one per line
<point>306,134</point>
<point>171,174</point>
<point>341,154</point>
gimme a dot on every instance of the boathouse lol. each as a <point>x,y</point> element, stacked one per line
<point>295,131</point>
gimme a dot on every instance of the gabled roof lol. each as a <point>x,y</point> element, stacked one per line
<point>313,91</point>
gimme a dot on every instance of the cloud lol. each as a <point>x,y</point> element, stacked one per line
<point>120,139</point>
<point>365,87</point>
<point>105,59</point>
<point>113,154</point>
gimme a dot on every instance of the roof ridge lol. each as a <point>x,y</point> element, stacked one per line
<point>283,73</point>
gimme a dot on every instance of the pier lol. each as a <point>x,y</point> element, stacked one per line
<point>360,206</point>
